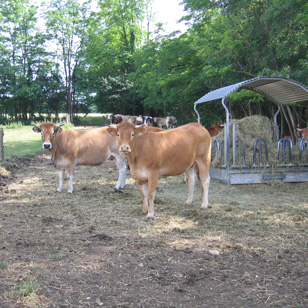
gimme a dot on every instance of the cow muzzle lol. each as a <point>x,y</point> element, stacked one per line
<point>125,148</point>
<point>47,145</point>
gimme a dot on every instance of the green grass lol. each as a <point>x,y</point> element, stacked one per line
<point>3,265</point>
<point>92,120</point>
<point>29,289</point>
<point>21,141</point>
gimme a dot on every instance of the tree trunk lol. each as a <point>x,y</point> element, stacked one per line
<point>292,122</point>
<point>287,120</point>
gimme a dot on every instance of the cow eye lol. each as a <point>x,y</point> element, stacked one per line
<point>133,134</point>
<point>52,134</point>
<point>118,135</point>
<point>42,133</point>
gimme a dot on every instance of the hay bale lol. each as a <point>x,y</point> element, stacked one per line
<point>249,129</point>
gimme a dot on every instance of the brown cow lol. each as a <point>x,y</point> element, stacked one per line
<point>215,129</point>
<point>151,155</point>
<point>119,118</point>
<point>70,148</point>
<point>302,132</point>
<point>116,119</point>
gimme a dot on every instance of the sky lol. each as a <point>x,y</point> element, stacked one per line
<point>169,12</point>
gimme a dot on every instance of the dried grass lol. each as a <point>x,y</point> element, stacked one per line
<point>95,247</point>
<point>249,129</point>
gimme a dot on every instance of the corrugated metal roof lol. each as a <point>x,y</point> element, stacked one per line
<point>280,90</point>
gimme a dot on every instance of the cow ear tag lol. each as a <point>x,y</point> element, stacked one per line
<point>139,130</point>
<point>36,129</point>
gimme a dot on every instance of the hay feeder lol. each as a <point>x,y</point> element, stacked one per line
<point>271,159</point>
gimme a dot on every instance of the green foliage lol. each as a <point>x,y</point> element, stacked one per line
<point>14,125</point>
<point>68,125</point>
<point>116,96</point>
<point>105,60</point>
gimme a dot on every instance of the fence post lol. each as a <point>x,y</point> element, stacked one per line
<point>1,145</point>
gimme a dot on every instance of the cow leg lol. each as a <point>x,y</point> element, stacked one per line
<point>152,185</point>
<point>144,191</point>
<point>191,178</point>
<point>61,176</point>
<point>70,175</point>
<point>205,180</point>
<point>121,165</point>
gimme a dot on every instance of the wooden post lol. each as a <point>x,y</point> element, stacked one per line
<point>1,145</point>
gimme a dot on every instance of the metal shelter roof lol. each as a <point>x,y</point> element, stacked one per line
<point>280,90</point>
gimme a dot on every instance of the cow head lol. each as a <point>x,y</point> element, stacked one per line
<point>116,119</point>
<point>48,131</point>
<point>149,121</point>
<point>217,126</point>
<point>125,133</point>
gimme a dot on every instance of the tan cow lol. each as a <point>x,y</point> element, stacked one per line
<point>151,155</point>
<point>70,148</point>
<point>213,130</point>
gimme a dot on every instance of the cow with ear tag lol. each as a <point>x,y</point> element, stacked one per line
<point>70,148</point>
<point>152,154</point>
<point>49,134</point>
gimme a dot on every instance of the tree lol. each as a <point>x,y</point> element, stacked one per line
<point>66,21</point>
<point>115,33</point>
<point>22,58</point>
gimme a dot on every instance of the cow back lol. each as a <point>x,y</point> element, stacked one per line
<point>170,152</point>
<point>88,147</point>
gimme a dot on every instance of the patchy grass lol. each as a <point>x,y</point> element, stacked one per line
<point>3,265</point>
<point>27,290</point>
<point>95,248</point>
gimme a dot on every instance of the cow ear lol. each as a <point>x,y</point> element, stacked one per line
<point>112,131</point>
<point>58,129</point>
<point>139,130</point>
<point>36,129</point>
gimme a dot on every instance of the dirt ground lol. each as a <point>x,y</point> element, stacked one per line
<point>95,248</point>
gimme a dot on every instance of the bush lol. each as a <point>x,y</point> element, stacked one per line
<point>14,125</point>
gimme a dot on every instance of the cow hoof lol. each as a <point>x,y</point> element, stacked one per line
<point>150,218</point>
<point>118,190</point>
